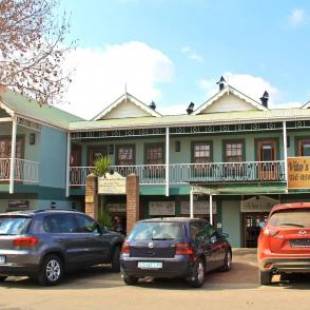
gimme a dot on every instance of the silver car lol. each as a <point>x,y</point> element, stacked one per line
<point>45,244</point>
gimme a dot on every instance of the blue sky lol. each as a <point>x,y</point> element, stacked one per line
<point>173,51</point>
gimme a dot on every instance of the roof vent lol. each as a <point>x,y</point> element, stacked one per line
<point>221,83</point>
<point>190,108</point>
<point>264,99</point>
<point>152,105</point>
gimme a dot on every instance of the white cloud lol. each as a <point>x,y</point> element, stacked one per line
<point>100,75</point>
<point>297,17</point>
<point>192,54</point>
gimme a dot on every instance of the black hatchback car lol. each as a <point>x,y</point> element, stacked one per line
<point>45,244</point>
<point>174,248</point>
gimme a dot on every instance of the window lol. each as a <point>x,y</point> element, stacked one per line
<point>86,224</point>
<point>13,225</point>
<point>154,154</point>
<point>201,152</point>
<point>60,223</point>
<point>125,155</point>
<point>234,151</point>
<point>304,147</point>
<point>5,147</point>
<point>94,152</point>
<point>75,157</point>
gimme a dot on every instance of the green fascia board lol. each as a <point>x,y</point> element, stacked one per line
<point>44,113</point>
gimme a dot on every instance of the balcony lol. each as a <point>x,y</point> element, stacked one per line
<point>26,171</point>
<point>219,172</point>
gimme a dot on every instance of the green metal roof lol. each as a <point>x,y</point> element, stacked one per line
<point>194,120</point>
<point>44,113</point>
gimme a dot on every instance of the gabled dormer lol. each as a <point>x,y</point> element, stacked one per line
<point>127,106</point>
<point>230,99</point>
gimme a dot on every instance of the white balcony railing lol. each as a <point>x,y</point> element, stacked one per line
<point>204,172</point>
<point>26,171</point>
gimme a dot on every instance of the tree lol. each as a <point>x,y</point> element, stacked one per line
<point>32,49</point>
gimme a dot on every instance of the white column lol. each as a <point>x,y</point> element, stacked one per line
<point>191,203</point>
<point>211,209</point>
<point>167,160</point>
<point>68,164</point>
<point>285,152</point>
<point>13,155</point>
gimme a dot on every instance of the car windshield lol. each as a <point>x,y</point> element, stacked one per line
<point>157,231</point>
<point>291,218</point>
<point>13,225</point>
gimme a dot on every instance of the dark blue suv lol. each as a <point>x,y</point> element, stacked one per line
<point>174,248</point>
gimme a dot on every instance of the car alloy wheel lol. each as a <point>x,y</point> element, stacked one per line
<point>197,277</point>
<point>53,270</point>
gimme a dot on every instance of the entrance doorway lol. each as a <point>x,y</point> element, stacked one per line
<point>267,155</point>
<point>251,228</point>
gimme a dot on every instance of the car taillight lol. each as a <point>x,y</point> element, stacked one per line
<point>26,242</point>
<point>270,232</point>
<point>125,248</point>
<point>183,248</point>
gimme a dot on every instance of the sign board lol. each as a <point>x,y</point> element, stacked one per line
<point>161,208</point>
<point>258,204</point>
<point>116,207</point>
<point>201,207</point>
<point>112,184</point>
<point>17,205</point>
<point>298,172</point>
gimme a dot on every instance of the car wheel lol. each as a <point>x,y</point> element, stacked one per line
<point>116,260</point>
<point>265,277</point>
<point>197,277</point>
<point>227,262</point>
<point>3,278</point>
<point>51,271</point>
<point>130,280</point>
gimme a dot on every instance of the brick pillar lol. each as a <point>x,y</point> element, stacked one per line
<point>133,199</point>
<point>91,196</point>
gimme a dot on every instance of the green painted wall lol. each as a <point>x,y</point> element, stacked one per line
<point>231,221</point>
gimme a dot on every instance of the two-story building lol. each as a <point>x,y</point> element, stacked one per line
<point>33,147</point>
<point>225,160</point>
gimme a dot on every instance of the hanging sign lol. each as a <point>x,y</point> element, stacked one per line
<point>112,184</point>
<point>161,208</point>
<point>201,207</point>
<point>258,204</point>
<point>298,172</point>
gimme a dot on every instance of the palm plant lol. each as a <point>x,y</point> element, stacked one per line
<point>102,165</point>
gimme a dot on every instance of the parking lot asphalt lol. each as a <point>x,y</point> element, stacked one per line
<point>98,288</point>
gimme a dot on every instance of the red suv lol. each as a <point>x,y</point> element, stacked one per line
<point>284,242</point>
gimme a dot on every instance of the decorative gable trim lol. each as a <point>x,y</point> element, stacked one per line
<point>226,91</point>
<point>306,105</point>
<point>132,99</point>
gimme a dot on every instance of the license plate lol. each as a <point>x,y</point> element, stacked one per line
<point>300,243</point>
<point>150,265</point>
<point>2,260</point>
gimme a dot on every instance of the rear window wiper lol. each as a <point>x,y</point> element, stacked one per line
<point>163,238</point>
<point>292,224</point>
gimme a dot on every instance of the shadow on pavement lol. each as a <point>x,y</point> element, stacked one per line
<point>91,278</point>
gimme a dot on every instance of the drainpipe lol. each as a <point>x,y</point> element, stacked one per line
<point>68,164</point>
<point>285,153</point>
<point>13,155</point>
<point>167,160</point>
